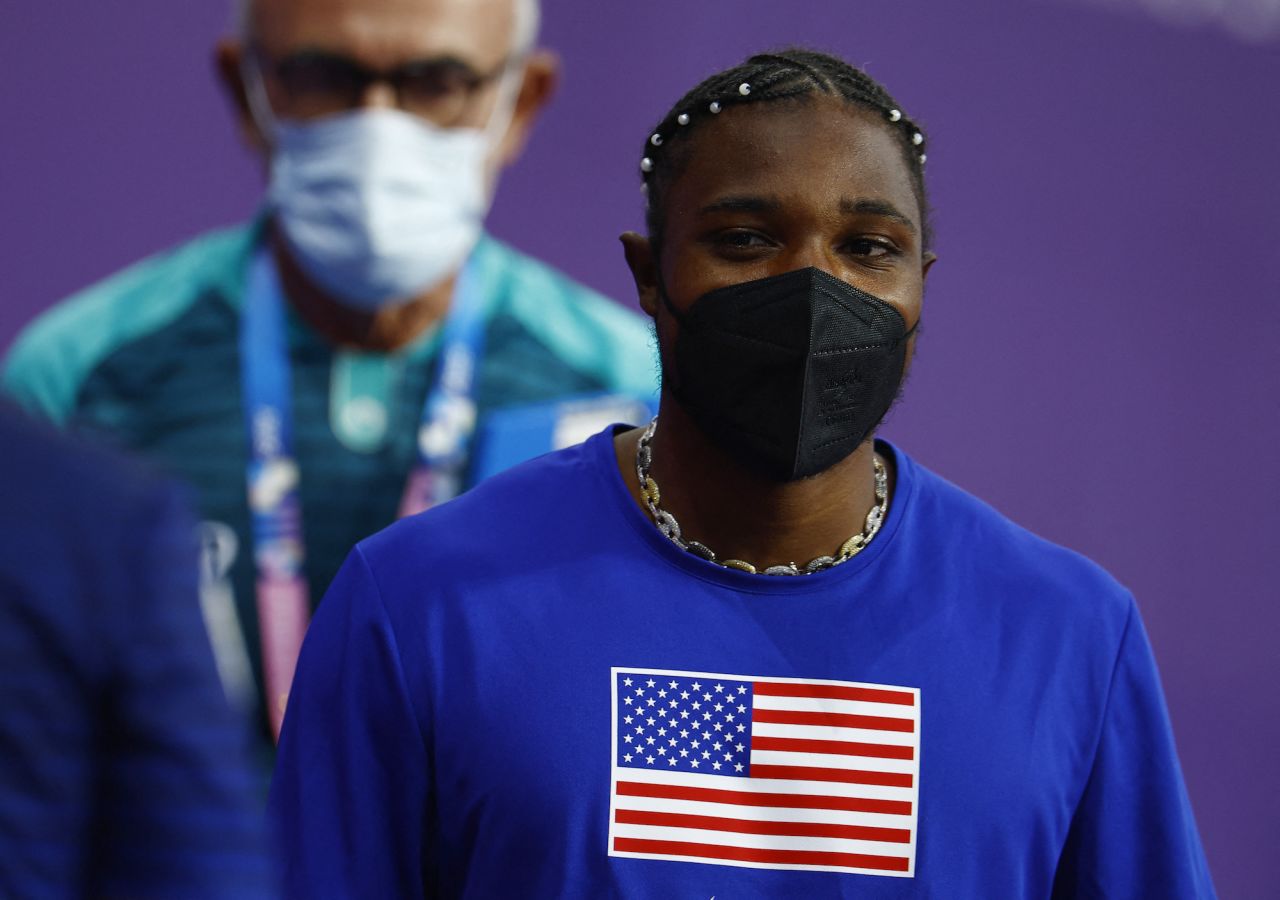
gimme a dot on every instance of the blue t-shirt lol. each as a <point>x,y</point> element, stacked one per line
<point>530,692</point>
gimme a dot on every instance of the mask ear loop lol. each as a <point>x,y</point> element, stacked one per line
<point>504,109</point>
<point>255,90</point>
<point>662,289</point>
<point>666,301</point>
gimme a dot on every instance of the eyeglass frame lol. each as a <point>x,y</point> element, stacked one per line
<point>364,77</point>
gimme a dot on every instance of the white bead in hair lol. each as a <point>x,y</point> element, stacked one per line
<point>683,118</point>
<point>917,139</point>
<point>656,139</point>
<point>895,115</point>
<point>744,89</point>
<point>646,165</point>
<point>715,106</point>
<point>922,158</point>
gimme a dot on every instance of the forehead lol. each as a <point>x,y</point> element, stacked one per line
<point>386,32</point>
<point>815,150</point>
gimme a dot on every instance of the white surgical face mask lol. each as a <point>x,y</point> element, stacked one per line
<point>379,205</point>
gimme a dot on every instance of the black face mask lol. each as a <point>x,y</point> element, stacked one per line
<point>790,373</point>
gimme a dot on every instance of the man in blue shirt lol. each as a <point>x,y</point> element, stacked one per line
<point>749,650</point>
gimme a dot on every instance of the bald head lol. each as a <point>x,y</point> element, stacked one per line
<point>515,22</point>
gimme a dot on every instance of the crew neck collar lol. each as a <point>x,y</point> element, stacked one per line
<point>601,452</point>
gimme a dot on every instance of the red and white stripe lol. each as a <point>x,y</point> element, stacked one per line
<point>833,786</point>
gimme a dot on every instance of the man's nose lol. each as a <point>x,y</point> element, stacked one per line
<point>379,94</point>
<point>815,252</point>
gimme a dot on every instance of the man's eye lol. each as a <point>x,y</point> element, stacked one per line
<point>305,74</point>
<point>741,239</point>
<point>870,248</point>
<point>438,79</point>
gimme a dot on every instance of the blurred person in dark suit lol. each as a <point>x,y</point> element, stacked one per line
<point>123,771</point>
<point>347,351</point>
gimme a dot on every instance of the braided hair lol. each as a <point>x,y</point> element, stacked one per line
<point>794,73</point>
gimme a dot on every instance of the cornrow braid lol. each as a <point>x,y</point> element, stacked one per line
<point>779,75</point>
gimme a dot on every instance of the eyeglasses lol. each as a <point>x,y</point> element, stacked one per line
<point>315,83</point>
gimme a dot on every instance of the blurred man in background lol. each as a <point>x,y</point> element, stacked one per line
<point>350,353</point>
<point>123,772</point>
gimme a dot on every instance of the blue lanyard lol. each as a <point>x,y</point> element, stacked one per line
<point>266,381</point>
<point>449,413</point>
<point>444,433</point>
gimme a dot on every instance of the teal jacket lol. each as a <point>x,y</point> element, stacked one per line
<point>149,360</point>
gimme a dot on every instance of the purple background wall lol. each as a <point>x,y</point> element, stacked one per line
<point>1101,352</point>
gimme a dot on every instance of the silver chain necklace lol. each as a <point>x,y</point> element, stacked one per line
<point>668,525</point>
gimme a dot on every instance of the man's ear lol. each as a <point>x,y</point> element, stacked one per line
<point>644,270</point>
<point>537,86</point>
<point>929,259</point>
<point>228,56</point>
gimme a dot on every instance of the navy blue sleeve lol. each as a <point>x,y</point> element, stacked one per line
<point>179,798</point>
<point>123,771</point>
<point>350,794</point>
<point>1133,834</point>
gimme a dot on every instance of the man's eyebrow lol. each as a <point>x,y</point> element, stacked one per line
<point>876,208</point>
<point>313,52</point>
<point>741,203</point>
<point>441,59</point>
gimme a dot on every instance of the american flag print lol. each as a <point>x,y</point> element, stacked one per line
<point>769,773</point>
